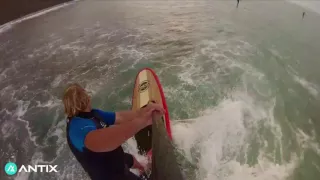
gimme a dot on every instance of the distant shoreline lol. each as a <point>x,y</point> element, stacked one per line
<point>14,9</point>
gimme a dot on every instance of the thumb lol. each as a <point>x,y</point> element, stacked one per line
<point>150,111</point>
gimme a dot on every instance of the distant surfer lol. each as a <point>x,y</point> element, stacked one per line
<point>238,3</point>
<point>95,136</point>
<point>303,14</point>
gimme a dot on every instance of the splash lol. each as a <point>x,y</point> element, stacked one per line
<point>131,147</point>
<point>217,140</point>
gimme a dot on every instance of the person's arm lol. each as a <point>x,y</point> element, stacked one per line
<point>119,117</point>
<point>125,116</point>
<point>112,118</point>
<point>108,139</point>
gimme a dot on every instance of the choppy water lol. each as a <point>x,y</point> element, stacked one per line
<point>242,84</point>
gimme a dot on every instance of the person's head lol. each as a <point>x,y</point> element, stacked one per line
<point>76,100</point>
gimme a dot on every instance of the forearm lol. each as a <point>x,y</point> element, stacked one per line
<point>108,139</point>
<point>125,116</point>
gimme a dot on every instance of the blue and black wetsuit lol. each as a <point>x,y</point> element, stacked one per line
<point>113,165</point>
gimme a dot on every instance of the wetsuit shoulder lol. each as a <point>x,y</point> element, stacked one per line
<point>78,130</point>
<point>107,117</point>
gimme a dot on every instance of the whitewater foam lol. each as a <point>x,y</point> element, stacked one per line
<point>22,108</point>
<point>7,129</point>
<point>312,88</point>
<point>221,55</point>
<point>131,147</point>
<point>11,24</point>
<point>76,49</point>
<point>57,80</point>
<point>19,113</point>
<point>53,102</point>
<point>215,140</point>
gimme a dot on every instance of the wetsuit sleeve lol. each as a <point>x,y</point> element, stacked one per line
<point>107,117</point>
<point>128,159</point>
<point>78,130</point>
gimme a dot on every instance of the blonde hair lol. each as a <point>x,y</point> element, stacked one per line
<point>75,100</point>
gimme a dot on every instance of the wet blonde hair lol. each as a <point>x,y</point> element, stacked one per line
<point>75,100</point>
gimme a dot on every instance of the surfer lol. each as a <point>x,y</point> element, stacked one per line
<point>238,3</point>
<point>303,14</point>
<point>95,136</point>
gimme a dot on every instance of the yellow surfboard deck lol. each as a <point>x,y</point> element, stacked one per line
<point>147,88</point>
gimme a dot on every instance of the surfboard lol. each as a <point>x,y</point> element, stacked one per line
<point>148,88</point>
<point>156,139</point>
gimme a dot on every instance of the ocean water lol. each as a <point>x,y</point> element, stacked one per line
<point>242,84</point>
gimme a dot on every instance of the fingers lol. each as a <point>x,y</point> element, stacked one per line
<point>154,110</point>
<point>146,113</point>
<point>156,107</point>
<point>149,122</point>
